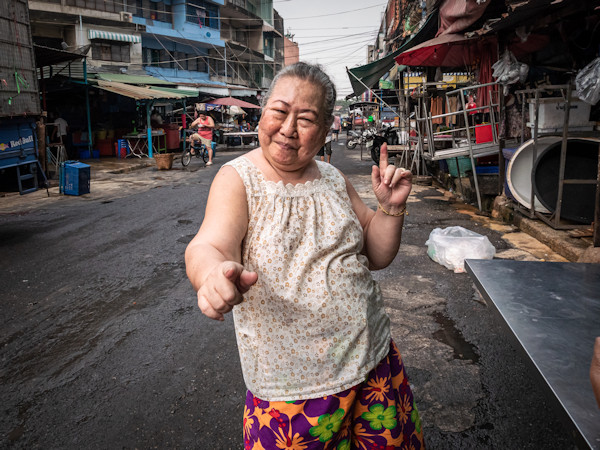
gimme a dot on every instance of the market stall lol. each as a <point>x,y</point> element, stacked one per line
<point>148,140</point>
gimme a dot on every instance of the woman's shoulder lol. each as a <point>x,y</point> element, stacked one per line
<point>331,173</point>
<point>245,161</point>
<point>245,168</point>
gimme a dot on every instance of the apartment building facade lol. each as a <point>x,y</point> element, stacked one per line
<point>209,44</point>
<point>254,50</point>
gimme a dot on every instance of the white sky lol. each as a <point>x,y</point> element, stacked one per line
<point>333,33</point>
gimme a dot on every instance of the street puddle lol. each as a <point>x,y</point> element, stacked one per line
<point>450,335</point>
<point>185,239</point>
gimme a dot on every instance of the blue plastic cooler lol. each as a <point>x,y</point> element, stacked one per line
<point>74,178</point>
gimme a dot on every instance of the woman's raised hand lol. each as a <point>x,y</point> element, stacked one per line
<point>391,184</point>
<point>223,289</point>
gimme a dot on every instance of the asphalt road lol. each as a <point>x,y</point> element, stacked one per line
<point>103,347</point>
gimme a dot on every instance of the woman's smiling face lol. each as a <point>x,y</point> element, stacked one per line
<point>293,125</point>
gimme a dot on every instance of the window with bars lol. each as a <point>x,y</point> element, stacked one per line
<point>99,5</point>
<point>185,61</point>
<point>148,9</point>
<point>203,13</point>
<point>110,51</point>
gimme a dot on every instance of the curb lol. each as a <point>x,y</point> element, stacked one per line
<point>558,240</point>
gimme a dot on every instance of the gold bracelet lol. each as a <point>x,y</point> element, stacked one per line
<point>398,214</point>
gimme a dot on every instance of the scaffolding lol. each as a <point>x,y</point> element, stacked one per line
<point>464,140</point>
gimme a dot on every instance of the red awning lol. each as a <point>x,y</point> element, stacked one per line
<point>447,50</point>
<point>231,101</point>
<point>458,15</point>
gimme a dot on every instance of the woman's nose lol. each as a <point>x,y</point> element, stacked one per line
<point>288,127</point>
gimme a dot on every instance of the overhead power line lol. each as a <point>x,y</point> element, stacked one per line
<point>336,13</point>
<point>334,48</point>
<point>125,5</point>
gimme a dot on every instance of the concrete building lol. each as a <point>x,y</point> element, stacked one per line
<point>116,42</point>
<point>291,50</point>
<point>254,48</point>
<point>218,46</point>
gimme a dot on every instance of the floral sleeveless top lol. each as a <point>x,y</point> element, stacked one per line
<point>314,323</point>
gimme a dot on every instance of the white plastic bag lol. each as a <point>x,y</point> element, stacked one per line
<point>507,70</point>
<point>587,82</point>
<point>451,246</point>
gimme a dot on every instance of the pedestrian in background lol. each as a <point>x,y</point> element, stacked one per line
<point>60,134</point>
<point>326,149</point>
<point>336,127</point>
<point>287,244</point>
<point>156,120</point>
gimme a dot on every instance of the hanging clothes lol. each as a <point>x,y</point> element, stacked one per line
<point>488,55</point>
<point>437,108</point>
<point>452,107</point>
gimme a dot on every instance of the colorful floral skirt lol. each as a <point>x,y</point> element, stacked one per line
<point>379,413</point>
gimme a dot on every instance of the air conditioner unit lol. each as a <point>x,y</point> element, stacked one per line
<point>126,16</point>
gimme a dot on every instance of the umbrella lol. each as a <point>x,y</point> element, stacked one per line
<point>231,101</point>
<point>447,50</point>
<point>236,110</point>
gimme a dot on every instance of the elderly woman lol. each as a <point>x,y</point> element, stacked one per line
<point>287,244</point>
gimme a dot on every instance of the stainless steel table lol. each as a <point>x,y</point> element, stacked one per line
<point>242,135</point>
<point>552,310</point>
<point>138,143</point>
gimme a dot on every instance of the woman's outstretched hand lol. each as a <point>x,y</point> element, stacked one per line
<point>595,371</point>
<point>223,289</point>
<point>391,184</point>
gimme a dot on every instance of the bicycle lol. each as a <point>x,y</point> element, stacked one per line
<point>200,151</point>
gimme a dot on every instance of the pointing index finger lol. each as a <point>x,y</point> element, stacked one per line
<point>383,157</point>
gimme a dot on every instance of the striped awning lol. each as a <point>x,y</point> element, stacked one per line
<point>110,36</point>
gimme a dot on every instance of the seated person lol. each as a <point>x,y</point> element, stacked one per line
<point>156,120</point>
<point>205,125</point>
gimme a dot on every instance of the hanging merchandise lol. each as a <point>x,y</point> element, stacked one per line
<point>587,82</point>
<point>507,70</point>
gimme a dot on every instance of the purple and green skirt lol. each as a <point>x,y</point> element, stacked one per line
<point>380,413</point>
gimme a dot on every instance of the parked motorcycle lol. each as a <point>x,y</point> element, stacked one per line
<point>389,135</point>
<point>356,137</point>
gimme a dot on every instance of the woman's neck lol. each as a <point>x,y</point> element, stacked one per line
<point>310,172</point>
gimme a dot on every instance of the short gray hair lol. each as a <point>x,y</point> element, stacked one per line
<point>308,72</point>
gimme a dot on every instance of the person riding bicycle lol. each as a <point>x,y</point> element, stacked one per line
<point>205,126</point>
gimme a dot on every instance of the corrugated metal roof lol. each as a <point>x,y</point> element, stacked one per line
<point>46,56</point>
<point>143,93</point>
<point>527,12</point>
<point>130,79</point>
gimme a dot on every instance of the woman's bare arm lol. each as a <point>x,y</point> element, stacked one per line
<point>213,257</point>
<point>383,230</point>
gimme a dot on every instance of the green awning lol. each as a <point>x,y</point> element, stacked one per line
<point>369,74</point>
<point>180,92</point>
<point>110,36</point>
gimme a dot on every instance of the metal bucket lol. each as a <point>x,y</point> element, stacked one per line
<point>520,168</point>
<point>581,163</point>
<point>523,174</point>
